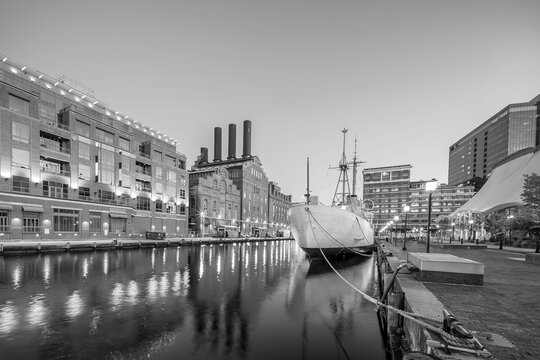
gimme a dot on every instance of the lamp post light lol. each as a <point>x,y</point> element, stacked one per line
<point>396,219</point>
<point>391,231</point>
<point>406,209</point>
<point>453,227</point>
<point>430,186</point>
<point>510,217</point>
<point>471,221</point>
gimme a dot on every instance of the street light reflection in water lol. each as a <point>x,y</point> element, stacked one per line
<point>250,300</point>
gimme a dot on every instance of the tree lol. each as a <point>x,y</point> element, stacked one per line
<point>495,223</point>
<point>531,193</point>
<point>528,216</point>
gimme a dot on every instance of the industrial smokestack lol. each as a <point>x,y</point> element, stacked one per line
<point>247,138</point>
<point>232,142</point>
<point>204,156</point>
<point>217,144</point>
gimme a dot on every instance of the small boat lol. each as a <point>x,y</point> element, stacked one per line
<point>344,228</point>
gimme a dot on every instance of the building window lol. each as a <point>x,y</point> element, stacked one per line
<point>159,206</point>
<point>19,105</point>
<point>159,188</point>
<point>66,220</point>
<point>55,190</point>
<point>143,203</point>
<point>4,221</point>
<point>171,207</point>
<point>20,158</point>
<point>84,151</point>
<point>182,194</point>
<point>106,197</point>
<point>171,176</point>
<point>205,206</point>
<point>158,156</point>
<point>106,167</point>
<point>123,143</point>
<point>214,208</point>
<point>169,160</point>
<point>31,222</point>
<point>84,193</point>
<point>182,209</point>
<point>159,173</point>
<point>104,136</point>
<point>82,128</point>
<point>126,163</point>
<point>84,172</point>
<point>20,132</point>
<point>21,184</point>
<point>95,222</point>
<point>182,164</point>
<point>118,225</point>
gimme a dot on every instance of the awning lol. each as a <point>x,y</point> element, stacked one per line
<point>6,207</point>
<point>504,187</point>
<point>123,216</point>
<point>33,208</point>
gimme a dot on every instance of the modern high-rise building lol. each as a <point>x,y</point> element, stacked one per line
<point>474,156</point>
<point>73,167</point>
<point>388,188</point>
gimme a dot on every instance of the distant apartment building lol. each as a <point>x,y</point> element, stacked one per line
<point>388,188</point>
<point>278,208</point>
<point>474,156</point>
<point>247,174</point>
<point>445,199</point>
<point>73,167</point>
<point>214,200</point>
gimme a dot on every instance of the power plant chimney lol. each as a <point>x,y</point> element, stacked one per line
<point>247,138</point>
<point>232,142</point>
<point>217,144</point>
<point>203,160</point>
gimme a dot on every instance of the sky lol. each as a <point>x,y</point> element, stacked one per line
<point>408,78</point>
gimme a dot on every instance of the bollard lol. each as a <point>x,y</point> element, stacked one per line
<point>67,246</point>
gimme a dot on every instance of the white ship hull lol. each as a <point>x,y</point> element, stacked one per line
<point>332,230</point>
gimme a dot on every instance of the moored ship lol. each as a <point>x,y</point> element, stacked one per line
<point>342,228</point>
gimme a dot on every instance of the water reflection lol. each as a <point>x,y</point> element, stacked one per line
<point>260,300</point>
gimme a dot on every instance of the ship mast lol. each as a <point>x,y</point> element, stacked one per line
<point>307,190</point>
<point>355,164</point>
<point>341,197</point>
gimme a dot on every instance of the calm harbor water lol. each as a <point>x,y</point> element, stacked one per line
<point>261,300</point>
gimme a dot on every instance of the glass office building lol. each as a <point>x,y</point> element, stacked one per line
<point>512,129</point>
<point>72,167</point>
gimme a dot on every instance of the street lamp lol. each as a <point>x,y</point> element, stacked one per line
<point>471,221</point>
<point>430,186</point>
<point>391,231</point>
<point>406,209</point>
<point>396,218</point>
<point>453,227</point>
<point>510,217</point>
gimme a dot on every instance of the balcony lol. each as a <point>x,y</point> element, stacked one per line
<point>57,171</point>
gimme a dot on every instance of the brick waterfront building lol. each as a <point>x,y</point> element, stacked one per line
<point>72,167</point>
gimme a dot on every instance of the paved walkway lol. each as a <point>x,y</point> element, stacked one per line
<point>507,304</point>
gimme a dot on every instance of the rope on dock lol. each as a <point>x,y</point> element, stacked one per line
<point>473,346</point>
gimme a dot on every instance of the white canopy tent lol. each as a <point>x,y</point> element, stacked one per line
<point>504,187</point>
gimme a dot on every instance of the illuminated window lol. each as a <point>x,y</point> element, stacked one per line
<point>19,105</point>
<point>20,132</point>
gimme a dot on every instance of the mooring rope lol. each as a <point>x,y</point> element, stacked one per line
<point>411,316</point>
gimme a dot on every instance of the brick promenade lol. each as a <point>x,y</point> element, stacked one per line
<point>507,304</point>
